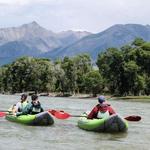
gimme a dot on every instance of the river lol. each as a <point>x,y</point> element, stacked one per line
<point>65,135</point>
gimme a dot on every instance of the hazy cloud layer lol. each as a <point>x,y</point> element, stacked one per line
<point>89,15</point>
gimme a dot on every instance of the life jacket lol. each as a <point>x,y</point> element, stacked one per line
<point>103,111</point>
<point>103,114</point>
<point>36,108</point>
<point>22,105</point>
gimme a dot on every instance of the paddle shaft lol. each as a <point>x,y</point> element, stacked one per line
<point>4,111</point>
<point>129,118</point>
<point>77,116</point>
<point>64,115</point>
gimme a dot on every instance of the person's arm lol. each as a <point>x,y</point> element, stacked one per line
<point>42,109</point>
<point>93,113</point>
<point>19,114</point>
<point>18,105</point>
<point>111,110</point>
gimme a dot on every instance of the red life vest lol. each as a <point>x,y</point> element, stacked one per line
<point>102,108</point>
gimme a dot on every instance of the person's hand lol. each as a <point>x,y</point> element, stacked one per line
<point>14,114</point>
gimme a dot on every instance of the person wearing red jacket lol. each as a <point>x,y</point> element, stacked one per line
<point>101,110</point>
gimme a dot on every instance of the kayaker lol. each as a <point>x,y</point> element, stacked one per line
<point>102,109</point>
<point>22,104</point>
<point>32,108</point>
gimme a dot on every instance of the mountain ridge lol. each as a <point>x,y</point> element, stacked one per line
<point>33,40</point>
<point>115,36</point>
<point>33,35</point>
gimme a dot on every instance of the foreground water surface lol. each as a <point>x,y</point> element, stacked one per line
<point>65,135</point>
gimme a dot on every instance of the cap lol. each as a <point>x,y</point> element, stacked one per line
<point>101,99</point>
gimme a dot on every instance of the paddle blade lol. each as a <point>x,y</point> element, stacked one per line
<point>2,114</point>
<point>52,111</point>
<point>133,118</point>
<point>59,114</point>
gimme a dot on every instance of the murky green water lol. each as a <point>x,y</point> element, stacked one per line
<point>65,135</point>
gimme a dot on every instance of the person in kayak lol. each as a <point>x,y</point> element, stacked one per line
<point>32,108</point>
<point>101,110</point>
<point>20,105</point>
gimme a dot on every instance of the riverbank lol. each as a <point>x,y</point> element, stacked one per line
<point>133,98</point>
<point>109,97</point>
<point>89,96</point>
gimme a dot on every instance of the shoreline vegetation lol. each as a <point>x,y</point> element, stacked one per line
<point>88,96</point>
<point>120,72</point>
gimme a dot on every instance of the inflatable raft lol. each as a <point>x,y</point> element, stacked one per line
<point>41,119</point>
<point>114,123</point>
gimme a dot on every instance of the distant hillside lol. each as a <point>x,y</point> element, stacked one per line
<point>32,39</point>
<point>114,36</point>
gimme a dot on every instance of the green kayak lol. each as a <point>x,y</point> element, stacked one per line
<point>114,123</point>
<point>41,119</point>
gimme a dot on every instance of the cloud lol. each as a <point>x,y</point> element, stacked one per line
<point>90,15</point>
<point>24,2</point>
<point>14,2</point>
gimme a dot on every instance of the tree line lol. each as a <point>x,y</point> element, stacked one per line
<point>118,71</point>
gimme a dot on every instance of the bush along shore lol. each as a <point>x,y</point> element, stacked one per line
<point>119,71</point>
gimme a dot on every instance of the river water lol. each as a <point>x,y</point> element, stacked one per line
<point>65,135</point>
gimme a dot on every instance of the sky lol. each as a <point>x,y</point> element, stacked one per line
<point>83,15</point>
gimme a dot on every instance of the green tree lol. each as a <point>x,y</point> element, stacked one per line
<point>147,86</point>
<point>130,77</point>
<point>93,82</point>
<point>70,75</point>
<point>83,66</point>
<point>110,64</point>
<point>29,74</point>
<point>60,78</point>
<point>138,42</point>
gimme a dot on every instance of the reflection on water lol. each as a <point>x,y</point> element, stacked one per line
<point>65,135</point>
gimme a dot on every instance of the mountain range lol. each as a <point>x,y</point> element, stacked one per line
<point>33,40</point>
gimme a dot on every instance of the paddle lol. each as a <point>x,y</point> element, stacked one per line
<point>5,112</point>
<point>2,114</point>
<point>63,115</point>
<point>133,118</point>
